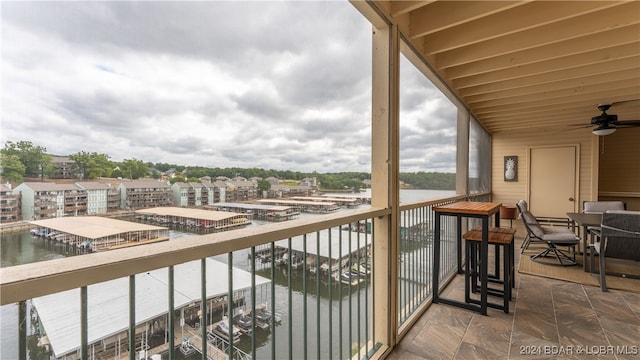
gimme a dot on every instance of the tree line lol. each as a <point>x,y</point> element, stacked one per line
<point>23,159</point>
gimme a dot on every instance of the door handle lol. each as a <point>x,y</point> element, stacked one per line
<point>570,199</point>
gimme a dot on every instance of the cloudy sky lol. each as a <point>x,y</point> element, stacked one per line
<point>280,85</point>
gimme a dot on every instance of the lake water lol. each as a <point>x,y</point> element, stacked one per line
<point>21,248</point>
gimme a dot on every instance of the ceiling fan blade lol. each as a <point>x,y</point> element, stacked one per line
<point>622,102</point>
<point>627,123</point>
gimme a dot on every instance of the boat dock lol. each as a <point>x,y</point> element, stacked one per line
<point>108,300</point>
<point>259,211</point>
<point>346,202</point>
<point>313,207</point>
<point>96,233</point>
<point>217,220</point>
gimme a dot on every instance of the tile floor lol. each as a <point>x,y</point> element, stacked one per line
<point>548,319</point>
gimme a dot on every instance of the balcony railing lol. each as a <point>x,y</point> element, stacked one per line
<point>316,276</point>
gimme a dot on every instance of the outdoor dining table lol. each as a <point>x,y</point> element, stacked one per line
<point>465,209</point>
<point>585,220</point>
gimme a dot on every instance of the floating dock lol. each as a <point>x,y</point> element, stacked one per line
<point>217,220</point>
<point>259,211</point>
<point>96,233</point>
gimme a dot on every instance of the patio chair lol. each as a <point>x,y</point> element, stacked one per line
<point>552,236</point>
<point>619,238</point>
<point>599,207</point>
<point>522,206</point>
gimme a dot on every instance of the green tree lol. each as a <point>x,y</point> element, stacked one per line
<point>263,185</point>
<point>12,168</point>
<point>92,165</point>
<point>133,169</point>
<point>35,159</point>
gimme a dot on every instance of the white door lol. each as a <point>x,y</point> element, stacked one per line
<point>552,180</point>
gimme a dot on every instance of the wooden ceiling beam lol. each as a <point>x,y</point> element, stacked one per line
<point>532,86</point>
<point>447,14</point>
<point>595,58</point>
<point>532,16</point>
<point>590,100</point>
<point>404,7</point>
<point>559,93</point>
<point>574,28</point>
<point>613,43</point>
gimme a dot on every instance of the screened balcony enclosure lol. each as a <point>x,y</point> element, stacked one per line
<point>514,78</point>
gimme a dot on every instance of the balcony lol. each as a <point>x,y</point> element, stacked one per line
<point>518,87</point>
<point>321,315</point>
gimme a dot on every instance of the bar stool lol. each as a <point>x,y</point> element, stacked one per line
<point>500,238</point>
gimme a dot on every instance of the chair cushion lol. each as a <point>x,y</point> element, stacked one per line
<point>522,205</point>
<point>532,223</point>
<point>559,234</point>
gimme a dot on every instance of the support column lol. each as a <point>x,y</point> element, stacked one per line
<point>384,179</point>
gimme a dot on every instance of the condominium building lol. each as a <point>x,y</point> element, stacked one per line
<point>145,193</point>
<point>10,210</point>
<point>44,200</point>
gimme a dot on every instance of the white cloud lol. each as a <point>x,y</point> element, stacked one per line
<point>282,85</point>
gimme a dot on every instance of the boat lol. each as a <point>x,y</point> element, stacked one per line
<point>297,262</point>
<point>243,322</point>
<point>264,317</point>
<point>221,329</point>
<point>361,269</point>
<point>349,278</point>
<point>186,349</point>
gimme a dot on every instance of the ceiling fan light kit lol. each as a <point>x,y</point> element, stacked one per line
<point>603,131</point>
<point>606,124</point>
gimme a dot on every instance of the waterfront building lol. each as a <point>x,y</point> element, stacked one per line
<point>65,168</point>
<point>213,192</point>
<point>98,195</point>
<point>144,193</point>
<point>10,204</point>
<point>43,200</point>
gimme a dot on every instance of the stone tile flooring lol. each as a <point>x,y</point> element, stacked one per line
<point>548,319</point>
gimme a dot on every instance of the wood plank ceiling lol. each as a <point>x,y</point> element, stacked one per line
<point>530,64</point>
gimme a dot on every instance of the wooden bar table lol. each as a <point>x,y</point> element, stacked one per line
<point>465,209</point>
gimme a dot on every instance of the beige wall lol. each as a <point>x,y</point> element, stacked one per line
<point>618,156</point>
<point>619,171</point>
<point>519,143</point>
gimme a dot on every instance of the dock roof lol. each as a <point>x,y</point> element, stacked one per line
<point>296,202</point>
<point>60,312</point>
<point>190,213</point>
<point>343,243</point>
<point>251,206</point>
<point>93,227</point>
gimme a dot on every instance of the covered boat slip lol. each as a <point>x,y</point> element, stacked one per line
<point>321,207</point>
<point>332,253</point>
<point>99,233</point>
<point>59,313</point>
<point>343,201</point>
<point>219,220</point>
<point>259,211</point>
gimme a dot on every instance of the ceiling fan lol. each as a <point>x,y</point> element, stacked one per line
<point>607,123</point>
